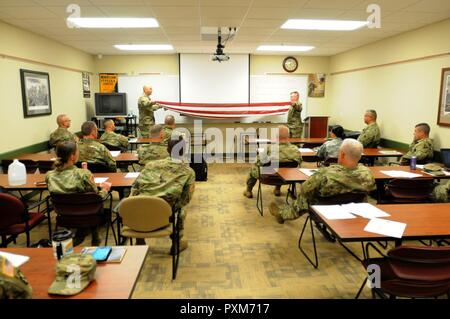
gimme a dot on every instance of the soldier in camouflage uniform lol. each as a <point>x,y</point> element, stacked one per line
<point>294,120</point>
<point>62,133</point>
<point>66,178</point>
<point>330,149</point>
<point>112,138</point>
<point>170,179</point>
<point>441,193</point>
<point>13,284</point>
<point>345,177</point>
<point>370,136</point>
<point>146,109</point>
<point>154,150</point>
<point>287,152</point>
<point>421,147</point>
<point>169,125</point>
<point>92,151</point>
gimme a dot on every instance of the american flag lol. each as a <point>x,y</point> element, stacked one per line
<point>226,110</point>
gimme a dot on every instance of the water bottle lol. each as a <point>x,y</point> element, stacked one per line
<point>17,174</point>
<point>412,163</point>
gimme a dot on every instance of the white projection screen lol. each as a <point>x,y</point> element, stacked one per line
<point>206,81</point>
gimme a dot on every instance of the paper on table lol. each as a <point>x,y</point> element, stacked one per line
<point>132,140</point>
<point>307,171</point>
<point>400,174</point>
<point>385,227</point>
<point>390,152</point>
<point>365,210</point>
<point>306,150</point>
<point>419,166</point>
<point>132,175</point>
<point>115,153</point>
<point>332,212</point>
<point>14,259</point>
<point>99,180</point>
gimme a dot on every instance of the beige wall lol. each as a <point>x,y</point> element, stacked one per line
<point>65,85</point>
<point>134,64</point>
<point>403,94</point>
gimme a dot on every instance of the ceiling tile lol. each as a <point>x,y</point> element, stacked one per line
<point>223,12</point>
<point>175,12</point>
<point>331,4</point>
<point>29,12</point>
<point>170,22</point>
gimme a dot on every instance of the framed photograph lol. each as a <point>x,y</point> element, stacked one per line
<point>36,97</point>
<point>316,85</point>
<point>444,99</point>
<point>86,85</point>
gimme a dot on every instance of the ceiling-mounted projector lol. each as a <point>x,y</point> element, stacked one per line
<point>219,55</point>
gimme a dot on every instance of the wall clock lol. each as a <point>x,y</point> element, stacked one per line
<point>290,64</point>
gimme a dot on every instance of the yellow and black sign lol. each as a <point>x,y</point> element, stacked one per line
<point>108,82</point>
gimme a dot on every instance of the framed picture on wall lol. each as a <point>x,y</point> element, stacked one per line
<point>86,85</point>
<point>444,99</point>
<point>36,97</point>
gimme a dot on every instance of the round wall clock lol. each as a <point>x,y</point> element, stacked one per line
<point>290,64</point>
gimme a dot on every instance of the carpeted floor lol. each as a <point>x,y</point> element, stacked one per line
<point>236,253</point>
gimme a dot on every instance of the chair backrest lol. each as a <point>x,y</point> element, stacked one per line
<point>96,167</point>
<point>145,213</point>
<point>328,161</point>
<point>445,154</point>
<point>77,204</point>
<point>30,165</point>
<point>45,166</point>
<point>410,189</point>
<point>421,263</point>
<point>12,210</point>
<point>344,198</point>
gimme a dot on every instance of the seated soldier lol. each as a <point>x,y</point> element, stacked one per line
<point>66,178</point>
<point>286,153</point>
<point>92,151</point>
<point>370,135</point>
<point>345,177</point>
<point>421,147</point>
<point>62,133</point>
<point>154,150</point>
<point>112,138</point>
<point>170,179</point>
<point>169,126</point>
<point>330,149</point>
<point>441,193</point>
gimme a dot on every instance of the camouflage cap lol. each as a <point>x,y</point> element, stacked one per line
<point>13,284</point>
<point>74,272</point>
<point>434,169</point>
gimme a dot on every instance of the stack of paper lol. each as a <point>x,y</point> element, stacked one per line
<point>99,180</point>
<point>262,140</point>
<point>308,171</point>
<point>306,150</point>
<point>132,140</point>
<point>115,153</point>
<point>393,152</point>
<point>332,212</point>
<point>400,174</point>
<point>15,260</point>
<point>385,227</point>
<point>365,210</point>
<point>132,175</point>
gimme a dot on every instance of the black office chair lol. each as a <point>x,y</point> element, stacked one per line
<point>408,191</point>
<point>312,216</point>
<point>327,162</point>
<point>267,176</point>
<point>96,167</point>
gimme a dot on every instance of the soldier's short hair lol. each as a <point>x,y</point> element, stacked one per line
<point>424,127</point>
<point>169,120</point>
<point>285,129</point>
<point>294,92</point>
<point>155,130</point>
<point>372,113</point>
<point>352,148</point>
<point>60,118</point>
<point>88,127</point>
<point>177,146</point>
<point>107,123</point>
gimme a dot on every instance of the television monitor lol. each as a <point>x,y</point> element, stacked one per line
<point>111,104</point>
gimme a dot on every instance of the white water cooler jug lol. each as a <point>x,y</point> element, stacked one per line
<point>17,174</point>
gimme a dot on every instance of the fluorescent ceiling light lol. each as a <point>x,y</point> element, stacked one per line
<point>285,48</point>
<point>331,25</point>
<point>144,47</point>
<point>114,22</point>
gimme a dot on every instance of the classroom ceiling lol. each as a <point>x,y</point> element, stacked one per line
<point>258,22</point>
